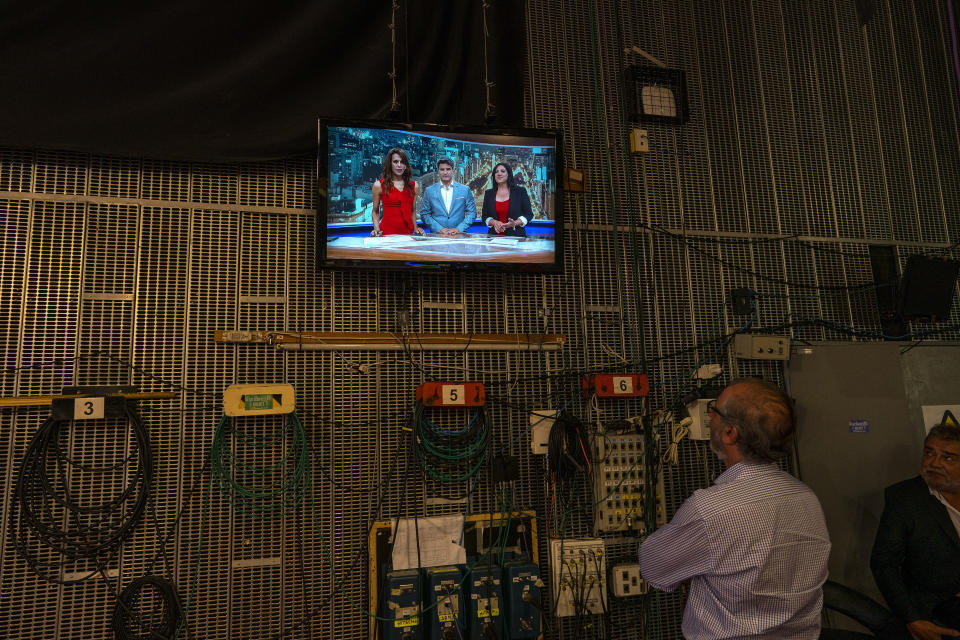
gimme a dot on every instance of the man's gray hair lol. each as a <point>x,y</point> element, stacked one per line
<point>764,419</point>
<point>445,160</point>
<point>944,432</point>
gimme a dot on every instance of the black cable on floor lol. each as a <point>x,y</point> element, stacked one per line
<point>133,623</point>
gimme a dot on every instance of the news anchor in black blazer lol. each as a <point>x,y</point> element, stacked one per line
<point>512,201</point>
<point>916,555</point>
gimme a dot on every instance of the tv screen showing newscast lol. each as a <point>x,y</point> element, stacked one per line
<point>409,195</point>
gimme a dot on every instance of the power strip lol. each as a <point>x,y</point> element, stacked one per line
<point>625,581</point>
<point>619,484</point>
<point>578,571</point>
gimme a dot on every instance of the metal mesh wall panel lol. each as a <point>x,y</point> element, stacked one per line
<point>114,177</point>
<point>60,173</point>
<point>915,104</point>
<point>16,170</point>
<point>167,181</point>
<point>941,88</point>
<point>119,270</point>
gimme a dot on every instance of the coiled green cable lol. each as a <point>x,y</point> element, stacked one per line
<point>266,491</point>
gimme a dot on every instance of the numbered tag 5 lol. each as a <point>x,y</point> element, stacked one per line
<point>452,394</point>
<point>88,408</point>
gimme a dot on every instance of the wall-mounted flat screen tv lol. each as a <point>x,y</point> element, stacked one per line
<point>427,196</point>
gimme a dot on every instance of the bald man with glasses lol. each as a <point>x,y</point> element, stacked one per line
<point>754,546</point>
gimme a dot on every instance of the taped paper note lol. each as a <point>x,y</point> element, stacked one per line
<point>440,539</point>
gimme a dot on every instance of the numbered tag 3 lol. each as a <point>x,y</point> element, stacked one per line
<point>88,408</point>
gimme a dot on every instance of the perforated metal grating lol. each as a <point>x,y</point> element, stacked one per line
<point>802,122</point>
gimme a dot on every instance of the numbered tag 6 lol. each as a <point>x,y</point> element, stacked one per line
<point>454,394</point>
<point>623,384</point>
<point>87,408</point>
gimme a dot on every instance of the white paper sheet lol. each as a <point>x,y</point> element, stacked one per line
<point>439,542</point>
<point>934,414</point>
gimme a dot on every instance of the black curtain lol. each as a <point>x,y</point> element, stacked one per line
<point>246,80</point>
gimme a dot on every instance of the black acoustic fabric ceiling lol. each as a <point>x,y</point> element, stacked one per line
<point>246,80</point>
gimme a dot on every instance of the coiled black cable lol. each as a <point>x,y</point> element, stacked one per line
<point>138,615</point>
<point>50,508</point>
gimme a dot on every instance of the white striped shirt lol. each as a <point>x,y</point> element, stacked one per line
<point>754,547</point>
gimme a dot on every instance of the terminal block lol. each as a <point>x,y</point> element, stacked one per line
<point>401,604</point>
<point>446,621</point>
<point>486,602</point>
<point>578,571</point>
<point>522,587</point>
<point>619,477</point>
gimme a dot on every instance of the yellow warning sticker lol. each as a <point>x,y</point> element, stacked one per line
<point>409,622</point>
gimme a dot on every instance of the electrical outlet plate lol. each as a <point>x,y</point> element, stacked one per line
<point>541,421</point>
<point>752,346</point>
<point>700,425</point>
<point>578,570</point>
<point>619,478</point>
<point>625,581</point>
<point>639,141</point>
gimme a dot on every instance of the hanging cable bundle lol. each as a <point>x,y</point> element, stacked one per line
<point>148,608</point>
<point>54,504</point>
<point>568,451</point>
<point>278,486</point>
<point>450,455</point>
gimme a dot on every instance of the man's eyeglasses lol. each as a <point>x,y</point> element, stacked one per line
<point>712,406</point>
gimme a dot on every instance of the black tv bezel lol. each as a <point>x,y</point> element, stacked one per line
<point>324,262</point>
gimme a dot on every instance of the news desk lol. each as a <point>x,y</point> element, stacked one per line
<point>472,247</point>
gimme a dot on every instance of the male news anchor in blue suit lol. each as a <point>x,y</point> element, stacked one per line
<point>448,207</point>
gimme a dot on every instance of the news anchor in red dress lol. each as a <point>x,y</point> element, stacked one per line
<point>395,191</point>
<point>506,207</point>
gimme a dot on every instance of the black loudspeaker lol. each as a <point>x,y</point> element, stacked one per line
<point>865,10</point>
<point>928,288</point>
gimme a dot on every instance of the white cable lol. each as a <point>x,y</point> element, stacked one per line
<point>678,431</point>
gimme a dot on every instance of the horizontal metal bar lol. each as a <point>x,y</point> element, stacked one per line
<point>430,502</point>
<point>700,233</point>
<point>392,341</point>
<point>80,575</point>
<point>39,401</point>
<point>107,296</point>
<point>442,305</point>
<point>601,308</point>
<point>256,562</point>
<point>263,299</point>
<point>167,204</point>
<point>413,345</point>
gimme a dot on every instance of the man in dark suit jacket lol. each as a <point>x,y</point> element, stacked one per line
<point>916,555</point>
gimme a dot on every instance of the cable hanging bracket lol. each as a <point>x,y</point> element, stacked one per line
<point>91,402</point>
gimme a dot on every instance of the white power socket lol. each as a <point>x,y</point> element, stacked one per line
<point>700,419</point>
<point>625,581</point>
<point>541,421</point>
